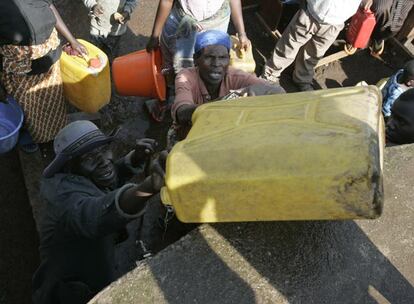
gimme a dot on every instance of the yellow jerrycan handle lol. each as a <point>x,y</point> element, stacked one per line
<point>241,53</point>
<point>165,197</point>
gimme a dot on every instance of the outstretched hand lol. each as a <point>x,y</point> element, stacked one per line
<point>244,41</point>
<point>157,171</point>
<point>153,43</point>
<point>156,178</point>
<point>145,147</point>
<point>78,48</point>
<point>121,18</point>
<point>260,89</point>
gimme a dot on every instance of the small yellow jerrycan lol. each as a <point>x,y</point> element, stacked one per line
<point>86,86</point>
<point>241,59</point>
<point>298,156</point>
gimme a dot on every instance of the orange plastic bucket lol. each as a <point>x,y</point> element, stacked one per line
<point>139,74</point>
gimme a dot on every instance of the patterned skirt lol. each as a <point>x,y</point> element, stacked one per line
<point>40,96</point>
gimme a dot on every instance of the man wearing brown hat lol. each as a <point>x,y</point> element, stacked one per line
<point>87,202</point>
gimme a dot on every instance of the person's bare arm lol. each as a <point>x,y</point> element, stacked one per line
<point>184,98</point>
<point>163,11</point>
<point>237,18</point>
<point>64,31</point>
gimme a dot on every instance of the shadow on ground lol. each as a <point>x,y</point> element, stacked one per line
<point>268,262</point>
<point>18,237</point>
<point>319,262</point>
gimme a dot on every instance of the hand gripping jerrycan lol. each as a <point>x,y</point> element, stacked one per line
<point>298,156</point>
<point>86,87</point>
<point>241,59</point>
<point>360,29</point>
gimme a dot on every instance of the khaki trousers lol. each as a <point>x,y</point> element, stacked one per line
<point>305,39</point>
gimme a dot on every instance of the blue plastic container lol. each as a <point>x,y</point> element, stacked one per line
<point>11,120</point>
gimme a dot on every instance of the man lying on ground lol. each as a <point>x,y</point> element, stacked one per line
<point>400,125</point>
<point>87,203</point>
<point>212,79</point>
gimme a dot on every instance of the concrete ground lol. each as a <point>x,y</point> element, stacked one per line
<point>365,261</point>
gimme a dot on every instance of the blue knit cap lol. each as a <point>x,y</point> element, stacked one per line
<point>212,37</point>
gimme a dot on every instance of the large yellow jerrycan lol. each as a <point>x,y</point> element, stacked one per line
<point>299,156</point>
<point>87,88</point>
<point>241,59</point>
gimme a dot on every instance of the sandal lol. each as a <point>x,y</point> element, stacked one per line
<point>377,48</point>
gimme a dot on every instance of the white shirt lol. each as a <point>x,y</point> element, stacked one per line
<point>102,25</point>
<point>201,9</point>
<point>333,12</point>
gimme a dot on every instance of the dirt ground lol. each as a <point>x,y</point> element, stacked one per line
<point>18,238</point>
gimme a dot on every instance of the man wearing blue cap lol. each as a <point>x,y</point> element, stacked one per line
<point>87,202</point>
<point>212,79</point>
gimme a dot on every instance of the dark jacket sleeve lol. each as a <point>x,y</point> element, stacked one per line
<point>82,210</point>
<point>92,217</point>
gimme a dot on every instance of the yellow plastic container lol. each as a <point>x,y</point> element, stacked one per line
<point>241,59</point>
<point>300,156</point>
<point>381,84</point>
<point>87,88</point>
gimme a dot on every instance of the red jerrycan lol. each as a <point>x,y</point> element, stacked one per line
<point>360,29</point>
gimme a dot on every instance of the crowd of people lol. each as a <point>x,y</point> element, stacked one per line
<point>89,199</point>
